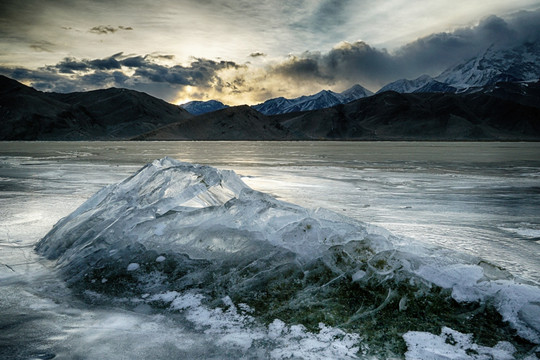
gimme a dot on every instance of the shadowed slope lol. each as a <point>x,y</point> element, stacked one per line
<point>110,114</point>
<point>496,115</point>
<point>234,123</point>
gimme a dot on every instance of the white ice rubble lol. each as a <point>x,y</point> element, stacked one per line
<point>453,345</point>
<point>171,207</point>
<point>235,327</point>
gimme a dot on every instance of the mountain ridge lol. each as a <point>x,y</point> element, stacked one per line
<point>423,116</point>
<point>423,83</point>
<point>504,112</point>
<point>231,123</point>
<point>322,99</point>
<point>106,114</point>
<point>501,111</point>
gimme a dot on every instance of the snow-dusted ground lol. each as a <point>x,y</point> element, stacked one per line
<point>480,200</point>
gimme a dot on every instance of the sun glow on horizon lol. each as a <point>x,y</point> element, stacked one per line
<point>185,95</point>
<point>192,93</point>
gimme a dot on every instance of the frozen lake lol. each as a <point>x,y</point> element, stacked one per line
<point>479,199</point>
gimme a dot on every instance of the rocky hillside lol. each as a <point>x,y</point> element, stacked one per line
<point>111,114</point>
<point>496,113</point>
<point>234,123</point>
<point>501,111</point>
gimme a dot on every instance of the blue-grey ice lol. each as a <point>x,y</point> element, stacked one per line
<point>175,231</point>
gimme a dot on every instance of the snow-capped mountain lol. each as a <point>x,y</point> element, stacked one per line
<point>436,87</point>
<point>354,93</point>
<point>521,63</point>
<point>320,100</point>
<point>274,106</point>
<point>203,107</point>
<point>424,83</point>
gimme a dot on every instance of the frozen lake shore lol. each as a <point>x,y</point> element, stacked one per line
<point>478,199</point>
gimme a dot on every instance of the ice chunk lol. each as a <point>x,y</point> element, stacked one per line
<point>530,313</point>
<point>358,275</point>
<point>180,208</point>
<point>175,227</point>
<point>133,267</point>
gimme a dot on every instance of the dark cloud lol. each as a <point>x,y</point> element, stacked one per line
<point>526,25</point>
<point>43,46</point>
<point>108,29</point>
<point>99,77</point>
<point>360,63</point>
<point>329,14</point>
<point>160,56</point>
<point>120,77</point>
<point>102,29</point>
<point>72,74</point>
<point>71,65</point>
<point>257,54</point>
<point>105,64</point>
<point>307,66</point>
<point>45,79</point>
<point>200,72</point>
<point>324,21</point>
<point>439,51</point>
<point>134,61</point>
<point>357,62</point>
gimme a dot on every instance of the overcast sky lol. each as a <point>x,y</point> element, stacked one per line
<point>245,51</point>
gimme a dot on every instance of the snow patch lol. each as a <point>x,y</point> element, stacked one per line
<point>452,345</point>
<point>233,327</point>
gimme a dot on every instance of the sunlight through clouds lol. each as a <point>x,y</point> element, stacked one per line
<point>244,51</point>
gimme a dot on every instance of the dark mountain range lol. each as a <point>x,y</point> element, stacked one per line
<point>233,123</point>
<point>496,113</point>
<point>111,114</point>
<point>502,111</point>
<point>525,93</point>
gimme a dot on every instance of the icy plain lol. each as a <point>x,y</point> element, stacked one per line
<point>210,267</point>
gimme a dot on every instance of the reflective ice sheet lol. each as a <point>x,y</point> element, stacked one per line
<point>480,199</point>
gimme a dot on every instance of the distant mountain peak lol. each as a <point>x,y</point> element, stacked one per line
<point>493,65</point>
<point>197,107</point>
<point>521,63</point>
<point>407,86</point>
<point>322,99</point>
<point>355,92</point>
